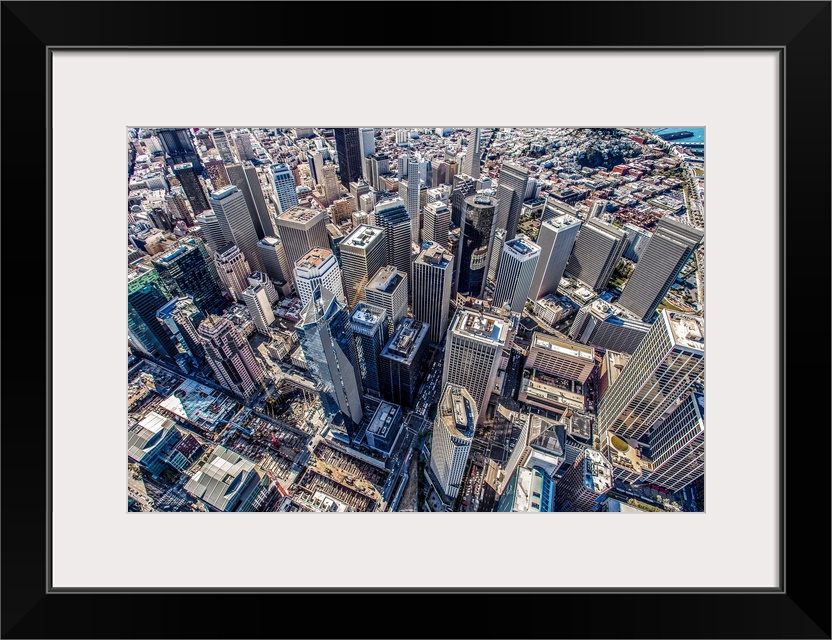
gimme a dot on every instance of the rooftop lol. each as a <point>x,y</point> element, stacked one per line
<point>148,435</point>
<point>224,192</point>
<point>522,246</point>
<point>572,349</point>
<point>368,315</point>
<point>221,479</point>
<point>386,279</point>
<point>383,419</point>
<point>299,214</point>
<point>434,254</point>
<point>457,410</point>
<point>361,236</point>
<point>405,342</point>
<point>314,258</point>
<point>597,471</point>
<point>199,404</point>
<point>688,331</point>
<point>478,325</point>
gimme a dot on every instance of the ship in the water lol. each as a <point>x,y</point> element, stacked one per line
<point>676,135</point>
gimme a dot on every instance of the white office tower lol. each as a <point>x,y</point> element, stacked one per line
<point>439,193</point>
<point>514,276</point>
<point>246,178</point>
<point>230,356</point>
<point>318,268</point>
<point>284,187</point>
<point>437,222</point>
<point>302,230</point>
<point>214,236</point>
<point>471,162</point>
<point>391,215</point>
<point>677,446</point>
<point>388,289</point>
<point>363,253</point>
<point>233,270</point>
<point>411,191</point>
<point>433,275</point>
<point>511,191</point>
<point>473,351</point>
<point>257,302</point>
<point>669,249</point>
<point>401,136</point>
<point>598,248</point>
<point>585,483</point>
<point>665,365</point>
<point>258,278</point>
<point>555,239</point>
<point>222,145</point>
<point>637,240</point>
<point>273,255</point>
<point>366,141</point>
<point>453,432</point>
<point>234,219</point>
<point>496,253</point>
<point>598,208</point>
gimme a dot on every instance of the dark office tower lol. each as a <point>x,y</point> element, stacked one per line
<point>181,317</point>
<point>185,272</point>
<point>597,250</point>
<point>230,356</point>
<point>403,362</point>
<point>244,177</point>
<point>666,253</point>
<point>301,230</point>
<point>463,186</point>
<point>432,283</point>
<point>146,294</point>
<point>391,215</point>
<point>348,147</point>
<point>179,147</point>
<point>222,145</point>
<point>665,365</point>
<point>369,329</point>
<point>327,344</point>
<point>511,190</point>
<point>188,177</point>
<point>234,219</point>
<point>471,163</point>
<point>274,259</point>
<point>217,173</point>
<point>475,244</point>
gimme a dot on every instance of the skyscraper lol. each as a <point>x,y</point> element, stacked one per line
<point>378,165</point>
<point>188,177</point>
<point>214,236</point>
<point>388,289</point>
<point>230,356</point>
<point>284,187</point>
<point>463,186</point>
<point>366,141</point>
<point>369,328</point>
<point>584,483</point>
<point>403,360</point>
<point>181,317</point>
<point>363,253</point>
<point>514,277</point>
<point>326,341</point>
<point>665,365</point>
<point>437,222</point>
<point>179,147</point>
<point>300,231</point>
<point>453,432</point>
<point>332,191</point>
<point>316,166</point>
<point>257,301</point>
<point>223,145</point>
<point>409,190</point>
<point>597,250</point>
<point>476,240</point>
<point>677,445</point>
<point>496,253</point>
<point>471,163</point>
<point>637,240</point>
<point>234,219</point>
<point>184,270</point>
<point>605,326</point>
<point>217,174</point>
<point>273,255</point>
<point>432,283</point>
<point>510,192</point>
<point>244,177</point>
<point>146,294</point>
<point>555,239</point>
<point>391,215</point>
<point>348,147</point>
<point>233,270</point>
<point>318,268</point>
<point>666,253</point>
<point>473,352</point>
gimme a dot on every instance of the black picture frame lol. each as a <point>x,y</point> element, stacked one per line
<point>799,608</point>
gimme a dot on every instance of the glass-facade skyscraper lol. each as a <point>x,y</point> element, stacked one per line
<point>475,243</point>
<point>184,270</point>
<point>146,294</point>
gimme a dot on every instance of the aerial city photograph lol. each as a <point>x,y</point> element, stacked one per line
<point>415,319</point>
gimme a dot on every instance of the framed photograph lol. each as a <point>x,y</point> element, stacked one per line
<point>408,318</point>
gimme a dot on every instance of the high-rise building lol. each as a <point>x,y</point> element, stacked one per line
<point>637,239</point>
<point>179,148</point>
<point>273,256</point>
<point>146,294</point>
<point>258,278</point>
<point>184,270</point>
<point>473,352</point>
<point>188,177</point>
<point>496,253</point>
<point>230,356</point>
<point>332,190</point>
<point>409,191</point>
<point>214,236</point>
<point>378,165</point>
<point>233,270</point>
<point>300,231</point>
<point>585,483</point>
<point>348,147</point>
<point>366,141</point>
<point>665,255</point>
<point>316,167</point>
<point>257,301</point>
<point>555,208</point>
<point>388,289</point>
<point>242,141</point>
<point>677,446</point>
<point>318,268</point>
<point>665,365</point>
<point>284,187</point>
<point>402,362</point>
<point>463,186</point>
<point>326,341</point>
<point>560,358</point>
<point>476,240</point>
<point>244,177</point>
<point>473,155</point>
<point>529,490</point>
<point>234,219</point>
<point>437,221</point>
<point>223,145</point>
<point>511,190</point>
<point>555,239</point>
<point>181,317</point>
<point>514,277</point>
<point>217,174</point>
<point>597,209</point>
<point>391,215</point>
<point>453,432</point>
<point>605,326</point>
<point>358,189</point>
<point>369,328</point>
<point>432,284</point>
<point>363,253</point>
<point>597,250</point>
